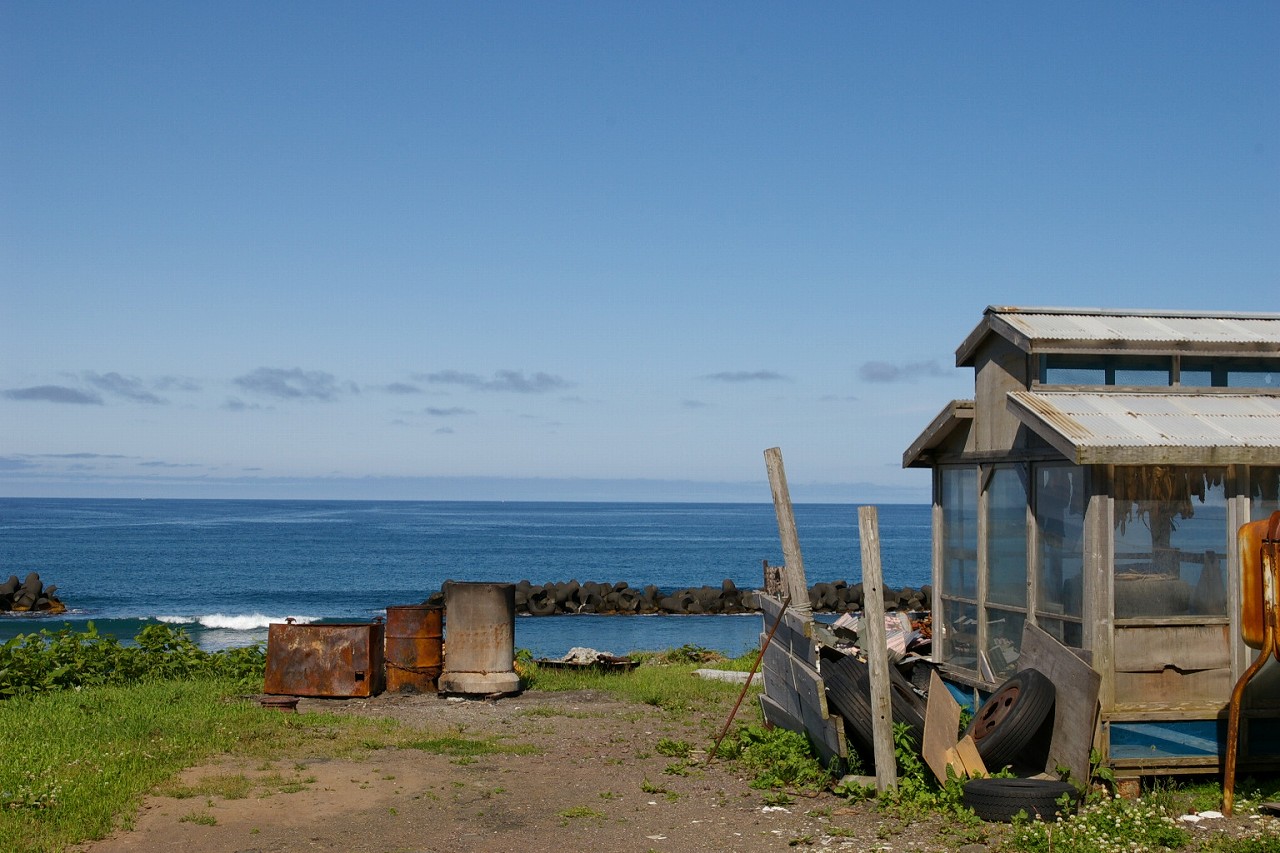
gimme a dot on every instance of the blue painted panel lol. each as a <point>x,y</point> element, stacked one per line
<point>1168,739</point>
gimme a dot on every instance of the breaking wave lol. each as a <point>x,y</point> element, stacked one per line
<point>251,622</point>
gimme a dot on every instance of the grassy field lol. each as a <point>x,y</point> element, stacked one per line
<point>77,761</point>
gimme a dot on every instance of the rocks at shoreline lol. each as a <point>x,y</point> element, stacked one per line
<point>29,596</point>
<point>622,599</point>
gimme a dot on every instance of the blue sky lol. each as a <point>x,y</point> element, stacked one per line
<point>587,250</point>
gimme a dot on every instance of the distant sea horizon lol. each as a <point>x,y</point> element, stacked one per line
<point>225,569</point>
<point>23,483</point>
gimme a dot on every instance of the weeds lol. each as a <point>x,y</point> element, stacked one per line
<point>779,758</point>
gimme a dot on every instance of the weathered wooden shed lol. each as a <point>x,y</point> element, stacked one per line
<point>1093,487</point>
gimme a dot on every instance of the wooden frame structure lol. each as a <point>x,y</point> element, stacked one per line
<point>1090,433</point>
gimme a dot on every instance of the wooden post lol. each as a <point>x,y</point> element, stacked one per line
<point>793,565</point>
<point>876,646</point>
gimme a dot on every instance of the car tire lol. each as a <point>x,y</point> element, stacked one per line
<point>1003,799</point>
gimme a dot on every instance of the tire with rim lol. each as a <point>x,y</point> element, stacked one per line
<point>1003,799</point>
<point>1013,719</point>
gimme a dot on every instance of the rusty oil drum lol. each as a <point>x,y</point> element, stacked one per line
<point>415,647</point>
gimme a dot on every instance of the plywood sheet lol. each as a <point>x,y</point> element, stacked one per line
<point>941,727</point>
<point>1076,707</point>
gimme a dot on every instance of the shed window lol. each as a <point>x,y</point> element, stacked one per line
<point>1230,373</point>
<point>1264,492</point>
<point>959,495</point>
<point>1131,370</point>
<point>960,532</point>
<point>1007,537</point>
<point>1170,538</point>
<point>1060,505</point>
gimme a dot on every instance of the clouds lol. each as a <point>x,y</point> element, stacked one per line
<point>123,386</point>
<point>883,371</point>
<point>513,381</point>
<point>294,384</point>
<point>740,376</point>
<point>113,384</point>
<point>52,394</point>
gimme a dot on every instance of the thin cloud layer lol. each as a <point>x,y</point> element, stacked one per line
<point>745,376</point>
<point>53,394</point>
<point>883,371</point>
<point>453,412</point>
<point>128,387</point>
<point>513,381</point>
<point>401,388</point>
<point>295,384</point>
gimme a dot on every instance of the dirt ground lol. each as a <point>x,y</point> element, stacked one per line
<point>595,782</point>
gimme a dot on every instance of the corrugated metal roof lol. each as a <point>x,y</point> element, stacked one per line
<point>1150,327</point>
<point>1067,329</point>
<point>1154,428</point>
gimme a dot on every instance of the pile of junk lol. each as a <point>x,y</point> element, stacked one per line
<point>406,654</point>
<point>818,680</point>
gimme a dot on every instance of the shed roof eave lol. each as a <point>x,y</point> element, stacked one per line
<point>1140,434</point>
<point>954,414</point>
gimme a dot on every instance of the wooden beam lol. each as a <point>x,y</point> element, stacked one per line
<point>793,570</point>
<point>877,649</point>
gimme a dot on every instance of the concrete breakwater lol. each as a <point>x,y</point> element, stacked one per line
<point>622,599</point>
<point>29,596</point>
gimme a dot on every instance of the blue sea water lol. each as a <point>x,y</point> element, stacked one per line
<point>225,569</point>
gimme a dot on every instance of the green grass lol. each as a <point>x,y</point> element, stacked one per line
<point>79,755</point>
<point>75,760</point>
<point>657,681</point>
<point>76,763</point>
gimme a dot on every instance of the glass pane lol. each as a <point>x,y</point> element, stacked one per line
<point>1004,639</point>
<point>1261,377</point>
<point>1142,376</point>
<point>1264,492</point>
<point>960,532</point>
<point>960,634</point>
<point>1060,503</point>
<point>1195,378</point>
<point>1170,538</point>
<point>1075,376</point>
<point>1067,633</point>
<point>1007,537</point>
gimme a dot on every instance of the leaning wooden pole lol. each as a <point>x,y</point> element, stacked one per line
<point>794,582</point>
<point>876,645</point>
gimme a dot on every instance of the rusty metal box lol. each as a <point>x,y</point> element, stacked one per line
<point>325,659</point>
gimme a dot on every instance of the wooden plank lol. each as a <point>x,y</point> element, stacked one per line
<point>776,715</point>
<point>798,689</point>
<point>1076,707</point>
<point>941,727</point>
<point>1201,687</point>
<point>877,650</point>
<point>1187,647</point>
<point>968,752</point>
<point>795,633</point>
<point>793,563</point>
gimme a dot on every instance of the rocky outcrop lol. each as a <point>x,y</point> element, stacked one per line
<point>29,596</point>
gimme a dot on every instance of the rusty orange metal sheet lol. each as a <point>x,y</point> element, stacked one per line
<point>324,659</point>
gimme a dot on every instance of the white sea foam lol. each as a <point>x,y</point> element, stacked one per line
<point>250,622</point>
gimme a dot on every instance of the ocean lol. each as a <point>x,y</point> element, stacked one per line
<point>225,569</point>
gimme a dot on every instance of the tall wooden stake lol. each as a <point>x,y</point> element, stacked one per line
<point>793,564</point>
<point>876,646</point>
